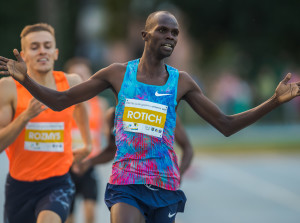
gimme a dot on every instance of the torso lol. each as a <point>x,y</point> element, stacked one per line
<point>32,156</point>
<point>142,142</point>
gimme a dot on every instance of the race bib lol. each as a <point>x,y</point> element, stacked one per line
<point>44,136</point>
<point>144,117</point>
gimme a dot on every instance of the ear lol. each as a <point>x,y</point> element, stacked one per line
<point>144,35</point>
<point>22,54</point>
<point>56,54</point>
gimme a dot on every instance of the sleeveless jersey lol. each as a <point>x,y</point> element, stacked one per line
<point>43,148</point>
<point>145,121</point>
<point>96,125</point>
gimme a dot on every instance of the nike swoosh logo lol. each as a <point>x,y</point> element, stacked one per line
<point>159,95</point>
<point>171,215</point>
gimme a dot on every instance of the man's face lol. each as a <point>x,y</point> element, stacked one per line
<point>39,51</point>
<point>163,34</point>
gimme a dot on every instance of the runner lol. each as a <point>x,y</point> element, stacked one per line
<point>38,186</point>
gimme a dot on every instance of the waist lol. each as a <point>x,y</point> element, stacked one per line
<point>135,172</point>
<point>39,166</point>
<point>52,180</point>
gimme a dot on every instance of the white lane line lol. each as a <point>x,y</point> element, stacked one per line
<point>255,185</point>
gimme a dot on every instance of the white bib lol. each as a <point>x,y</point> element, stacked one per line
<point>44,136</point>
<point>144,117</point>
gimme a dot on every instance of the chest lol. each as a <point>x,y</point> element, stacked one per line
<point>157,80</point>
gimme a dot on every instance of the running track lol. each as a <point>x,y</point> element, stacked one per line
<point>225,189</point>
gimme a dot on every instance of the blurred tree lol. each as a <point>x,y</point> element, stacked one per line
<point>61,14</point>
<point>119,14</point>
<point>268,31</point>
<point>14,15</point>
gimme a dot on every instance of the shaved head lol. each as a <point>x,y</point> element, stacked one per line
<point>152,18</point>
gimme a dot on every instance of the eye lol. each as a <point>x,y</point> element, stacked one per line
<point>48,46</point>
<point>175,32</point>
<point>162,30</point>
<point>34,47</point>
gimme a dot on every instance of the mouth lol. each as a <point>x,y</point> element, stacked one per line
<point>168,46</point>
<point>42,60</point>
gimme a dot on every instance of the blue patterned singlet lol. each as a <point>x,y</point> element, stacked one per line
<point>144,127</point>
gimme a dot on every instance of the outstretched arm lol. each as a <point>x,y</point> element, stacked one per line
<point>230,124</point>
<point>56,100</point>
<point>183,141</point>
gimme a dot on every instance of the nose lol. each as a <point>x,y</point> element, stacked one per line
<point>42,50</point>
<point>170,36</point>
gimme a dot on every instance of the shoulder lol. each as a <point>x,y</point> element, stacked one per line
<point>116,67</point>
<point>185,77</point>
<point>111,73</point>
<point>7,80</point>
<point>7,84</point>
<point>8,89</point>
<point>119,65</point>
<point>73,79</point>
<point>183,73</point>
<point>186,85</point>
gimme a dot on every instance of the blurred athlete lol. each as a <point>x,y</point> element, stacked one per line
<point>38,186</point>
<point>87,184</point>
<point>145,178</point>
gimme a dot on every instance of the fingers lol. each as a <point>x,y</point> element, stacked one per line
<point>44,108</point>
<point>41,106</point>
<point>4,73</point>
<point>37,105</point>
<point>3,59</point>
<point>17,55</point>
<point>287,78</point>
<point>298,85</point>
<point>3,63</point>
<point>2,67</point>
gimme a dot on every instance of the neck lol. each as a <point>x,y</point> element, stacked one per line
<point>151,65</point>
<point>45,79</point>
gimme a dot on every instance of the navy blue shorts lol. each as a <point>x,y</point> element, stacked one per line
<point>156,204</point>
<point>86,185</point>
<point>25,200</point>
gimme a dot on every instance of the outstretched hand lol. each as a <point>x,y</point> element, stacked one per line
<point>15,68</point>
<point>286,91</point>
